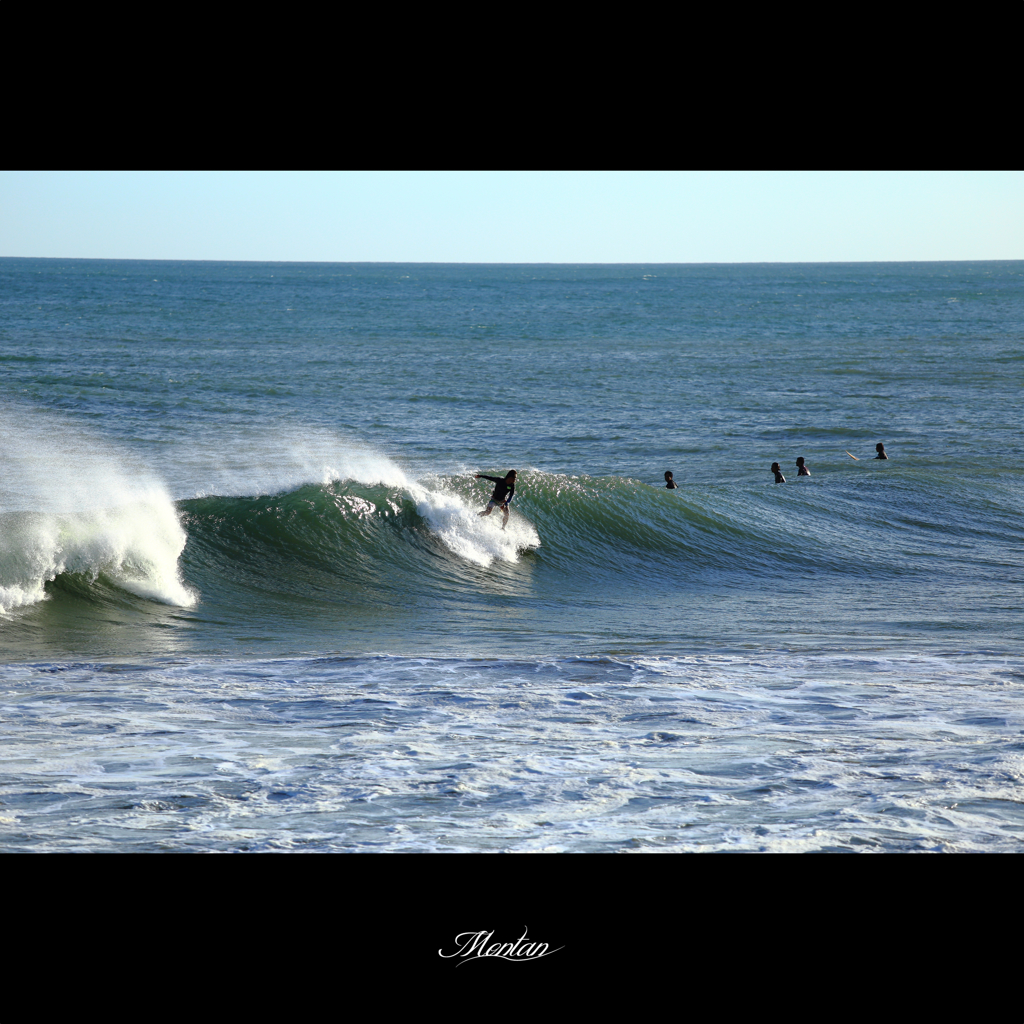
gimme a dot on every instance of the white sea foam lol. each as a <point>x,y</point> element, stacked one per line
<point>70,502</point>
<point>476,538</point>
<point>703,752</point>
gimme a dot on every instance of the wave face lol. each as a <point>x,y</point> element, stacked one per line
<point>362,534</point>
<point>84,522</point>
<point>365,538</point>
<point>77,518</point>
<point>388,533</point>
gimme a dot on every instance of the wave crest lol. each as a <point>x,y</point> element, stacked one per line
<point>71,504</point>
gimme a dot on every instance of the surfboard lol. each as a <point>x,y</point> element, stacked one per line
<point>854,457</point>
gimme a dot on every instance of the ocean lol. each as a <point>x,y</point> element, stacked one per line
<point>247,603</point>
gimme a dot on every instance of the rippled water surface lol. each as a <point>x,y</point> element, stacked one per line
<point>246,601</point>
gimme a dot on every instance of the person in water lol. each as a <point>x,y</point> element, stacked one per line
<point>801,469</point>
<point>779,478</point>
<point>669,482</point>
<point>880,448</point>
<point>503,491</point>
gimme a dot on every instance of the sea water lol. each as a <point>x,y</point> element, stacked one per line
<point>247,603</point>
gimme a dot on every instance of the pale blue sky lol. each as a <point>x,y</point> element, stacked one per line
<point>515,216</point>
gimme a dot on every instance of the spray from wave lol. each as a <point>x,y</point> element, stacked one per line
<point>72,504</point>
<point>275,459</point>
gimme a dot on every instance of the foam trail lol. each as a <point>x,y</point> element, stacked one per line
<point>478,539</point>
<point>70,503</point>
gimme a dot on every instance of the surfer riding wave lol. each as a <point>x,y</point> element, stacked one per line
<point>504,489</point>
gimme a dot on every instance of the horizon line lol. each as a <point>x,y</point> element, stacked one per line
<point>515,263</point>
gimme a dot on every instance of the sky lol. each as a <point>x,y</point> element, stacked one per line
<point>514,216</point>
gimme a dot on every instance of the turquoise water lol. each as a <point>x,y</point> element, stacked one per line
<point>246,601</point>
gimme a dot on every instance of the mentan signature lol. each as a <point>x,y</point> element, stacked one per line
<point>475,945</point>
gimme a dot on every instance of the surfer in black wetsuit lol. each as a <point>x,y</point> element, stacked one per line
<point>801,469</point>
<point>880,448</point>
<point>776,469</point>
<point>669,482</point>
<point>503,491</point>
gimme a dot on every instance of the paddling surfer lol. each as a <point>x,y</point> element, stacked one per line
<point>504,489</point>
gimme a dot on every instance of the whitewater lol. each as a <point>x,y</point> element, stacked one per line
<point>247,602</point>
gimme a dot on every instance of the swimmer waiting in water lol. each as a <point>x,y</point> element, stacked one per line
<point>779,478</point>
<point>669,482</point>
<point>503,491</point>
<point>801,469</point>
<point>880,448</point>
